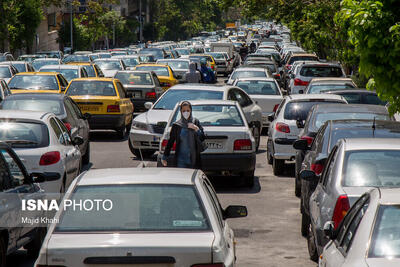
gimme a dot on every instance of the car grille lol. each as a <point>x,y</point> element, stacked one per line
<point>157,128</point>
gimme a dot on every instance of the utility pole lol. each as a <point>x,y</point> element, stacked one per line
<point>113,34</point>
<point>71,24</point>
<point>140,22</point>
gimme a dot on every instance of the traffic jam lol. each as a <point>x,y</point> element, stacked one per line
<point>192,112</point>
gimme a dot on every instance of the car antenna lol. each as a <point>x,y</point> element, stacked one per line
<point>373,128</point>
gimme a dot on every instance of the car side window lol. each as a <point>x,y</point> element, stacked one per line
<point>215,201</point>
<point>121,90</point>
<point>232,95</point>
<point>57,131</point>
<point>65,132</point>
<point>70,109</point>
<point>98,70</point>
<point>76,108</point>
<point>12,170</point>
<point>246,99</point>
<point>318,140</point>
<point>156,81</point>
<point>329,166</point>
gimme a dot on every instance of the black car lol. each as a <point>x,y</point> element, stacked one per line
<point>358,96</point>
<point>62,106</point>
<point>321,113</point>
<point>326,138</point>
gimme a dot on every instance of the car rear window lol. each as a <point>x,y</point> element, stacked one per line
<point>90,70</point>
<point>68,74</point>
<point>160,71</point>
<point>24,133</point>
<point>169,99</point>
<point>37,64</point>
<point>130,62</point>
<point>47,105</point>
<point>76,58</point>
<point>316,89</point>
<point>175,64</point>
<point>371,168</point>
<point>20,67</point>
<point>218,55</point>
<point>259,87</point>
<point>95,88</point>
<point>302,58</point>
<point>298,110</point>
<point>5,72</point>
<point>321,71</point>
<point>248,74</point>
<point>138,207</point>
<point>321,118</point>
<point>34,82</point>
<point>134,78</point>
<point>108,64</point>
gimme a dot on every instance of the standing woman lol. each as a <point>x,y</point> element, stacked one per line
<point>188,135</point>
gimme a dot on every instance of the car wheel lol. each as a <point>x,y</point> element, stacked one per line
<point>257,137</point>
<point>278,165</point>
<point>312,248</point>
<point>248,179</point>
<point>305,224</point>
<point>3,252</point>
<point>122,132</point>
<point>86,157</point>
<point>33,247</point>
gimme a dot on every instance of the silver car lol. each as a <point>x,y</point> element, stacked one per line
<point>69,71</point>
<point>179,66</point>
<point>331,84</point>
<point>248,72</point>
<point>157,217</point>
<point>369,234</point>
<point>110,66</point>
<point>353,167</point>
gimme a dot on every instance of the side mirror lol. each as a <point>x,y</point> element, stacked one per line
<point>301,91</point>
<point>271,117</point>
<point>329,230</point>
<point>77,141</point>
<point>235,212</point>
<point>308,175</point>
<point>87,116</point>
<point>300,124</point>
<point>301,145</point>
<point>148,105</point>
<point>44,177</point>
<point>226,81</point>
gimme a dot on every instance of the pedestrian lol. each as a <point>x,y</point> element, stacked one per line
<point>188,136</point>
<point>193,75</point>
<point>206,72</point>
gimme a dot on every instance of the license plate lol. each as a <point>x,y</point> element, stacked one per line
<point>89,108</point>
<point>136,94</point>
<point>214,145</point>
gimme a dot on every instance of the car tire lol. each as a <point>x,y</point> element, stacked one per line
<point>86,157</point>
<point>257,137</point>
<point>33,247</point>
<point>312,248</point>
<point>122,132</point>
<point>305,224</point>
<point>269,157</point>
<point>3,252</point>
<point>248,179</point>
<point>277,166</point>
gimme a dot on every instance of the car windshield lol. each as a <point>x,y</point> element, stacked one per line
<point>321,118</point>
<point>302,58</point>
<point>218,55</point>
<point>184,52</point>
<point>215,115</point>
<point>240,74</point>
<point>260,64</point>
<point>5,72</point>
<point>372,168</point>
<point>37,64</point>
<point>316,89</point>
<point>95,88</point>
<point>108,64</point>
<point>157,53</point>
<point>175,64</point>
<point>298,110</point>
<point>171,97</point>
<point>259,87</point>
<point>146,58</point>
<point>90,70</point>
<point>386,234</point>
<point>134,78</point>
<point>23,134</point>
<point>68,74</point>
<point>35,82</point>
<point>121,53</point>
<point>130,61</point>
<point>138,207</point>
<point>47,105</point>
<point>321,71</point>
<point>76,58</point>
<point>355,98</point>
<point>160,71</point>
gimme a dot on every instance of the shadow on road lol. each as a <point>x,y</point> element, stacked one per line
<point>106,136</point>
<point>231,184</point>
<point>20,259</point>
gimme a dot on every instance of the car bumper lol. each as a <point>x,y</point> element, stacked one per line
<point>144,139</point>
<point>111,122</point>
<point>296,89</point>
<point>283,148</point>
<point>139,104</point>
<point>265,121</point>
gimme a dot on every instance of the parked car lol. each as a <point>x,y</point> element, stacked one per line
<point>223,62</point>
<point>283,130</point>
<point>231,145</point>
<point>146,208</point>
<point>76,58</point>
<point>38,82</point>
<point>14,233</point>
<point>4,90</point>
<point>265,92</point>
<point>7,72</point>
<point>326,138</point>
<point>321,85</point>
<point>63,107</point>
<point>179,66</point>
<point>44,144</point>
<point>246,72</point>
<point>106,101</point>
<point>40,62</point>
<point>141,87</point>
<point>359,96</point>
<point>157,53</point>
<point>353,167</point>
<point>164,73</point>
<point>98,55</point>
<point>367,235</point>
<point>91,68</point>
<point>130,61</point>
<point>110,66</point>
<point>21,66</point>
<point>68,71</point>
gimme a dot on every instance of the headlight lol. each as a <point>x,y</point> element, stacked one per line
<point>139,126</point>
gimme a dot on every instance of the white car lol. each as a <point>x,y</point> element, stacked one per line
<point>7,72</point>
<point>158,217</point>
<point>248,72</point>
<point>69,71</point>
<point>283,130</point>
<point>44,144</point>
<point>265,92</point>
<point>368,235</point>
<point>110,66</point>
<point>231,145</point>
<point>148,127</point>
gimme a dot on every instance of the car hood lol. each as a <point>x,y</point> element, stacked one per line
<point>153,116</point>
<point>375,262</point>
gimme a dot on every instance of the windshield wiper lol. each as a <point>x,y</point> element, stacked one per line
<point>28,142</point>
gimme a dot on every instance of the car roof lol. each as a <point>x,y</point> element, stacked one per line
<point>23,114</point>
<point>358,123</point>
<point>371,144</point>
<point>106,59</point>
<point>257,79</point>
<point>249,69</point>
<point>330,80</point>
<point>357,108</point>
<point>200,86</point>
<point>95,79</point>
<point>37,73</point>
<point>61,66</point>
<point>387,196</point>
<point>152,65</point>
<point>174,59</point>
<point>13,62</point>
<point>46,59</point>
<point>49,96</point>
<point>302,54</point>
<point>322,64</point>
<point>212,102</point>
<point>314,96</point>
<point>361,91</point>
<point>117,176</point>
<point>135,71</point>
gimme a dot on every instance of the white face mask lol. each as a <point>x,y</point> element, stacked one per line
<point>186,114</point>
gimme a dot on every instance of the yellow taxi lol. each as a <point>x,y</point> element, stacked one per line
<point>38,82</point>
<point>164,73</point>
<point>209,58</point>
<point>105,100</point>
<point>91,68</point>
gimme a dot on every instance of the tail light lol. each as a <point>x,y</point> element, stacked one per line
<point>341,208</point>
<point>242,144</point>
<point>275,108</point>
<point>282,127</point>
<point>151,95</point>
<point>309,139</point>
<point>209,265</point>
<point>68,125</point>
<point>277,76</point>
<point>297,81</point>
<point>49,158</point>
<point>164,144</point>
<point>113,108</point>
<point>317,168</point>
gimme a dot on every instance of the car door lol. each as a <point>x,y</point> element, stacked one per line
<point>83,124</point>
<point>158,88</point>
<point>336,251</point>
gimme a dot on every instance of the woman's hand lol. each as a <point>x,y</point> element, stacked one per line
<point>164,162</point>
<point>193,126</point>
